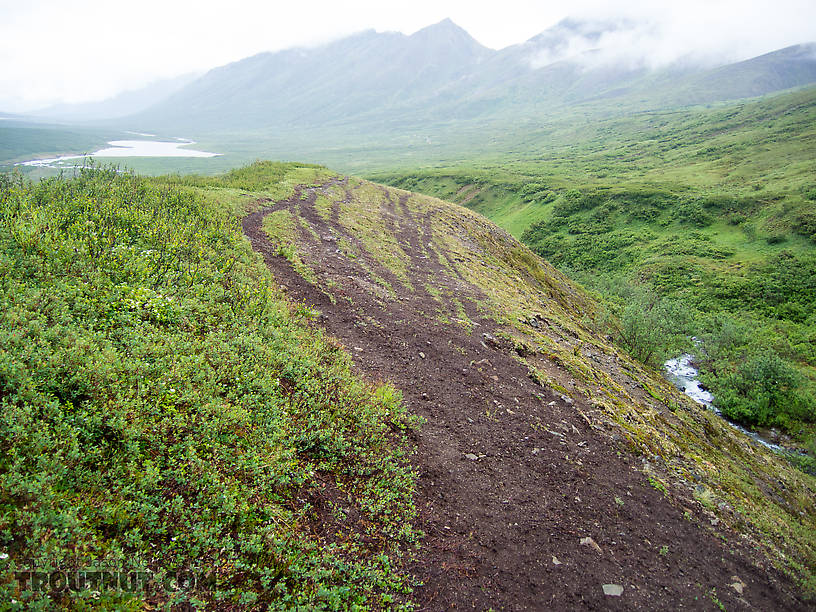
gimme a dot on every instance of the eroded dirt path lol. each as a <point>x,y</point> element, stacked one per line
<point>511,477</point>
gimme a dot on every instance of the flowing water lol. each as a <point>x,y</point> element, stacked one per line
<point>682,373</point>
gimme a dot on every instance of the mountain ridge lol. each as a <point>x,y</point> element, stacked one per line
<point>530,417</point>
<point>441,74</point>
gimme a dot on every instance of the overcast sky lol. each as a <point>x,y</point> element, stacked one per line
<point>77,50</point>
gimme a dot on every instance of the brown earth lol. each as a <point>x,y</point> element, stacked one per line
<point>512,478</point>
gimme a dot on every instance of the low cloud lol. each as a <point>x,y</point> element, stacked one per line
<point>654,35</point>
<point>54,51</point>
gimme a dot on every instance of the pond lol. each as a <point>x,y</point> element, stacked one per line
<point>126,148</point>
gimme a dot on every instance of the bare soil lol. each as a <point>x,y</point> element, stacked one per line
<point>505,505</point>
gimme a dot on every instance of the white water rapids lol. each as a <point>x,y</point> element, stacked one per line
<point>683,375</point>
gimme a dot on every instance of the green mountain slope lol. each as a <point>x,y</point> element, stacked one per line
<point>384,82</point>
<point>712,208</point>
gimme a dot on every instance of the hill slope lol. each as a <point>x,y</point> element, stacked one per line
<point>389,81</point>
<point>168,417</point>
<point>712,208</point>
<point>538,433</point>
<point>168,406</point>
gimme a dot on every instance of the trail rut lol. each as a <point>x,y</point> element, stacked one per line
<point>511,478</point>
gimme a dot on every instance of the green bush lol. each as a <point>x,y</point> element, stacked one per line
<point>162,409</point>
<point>762,390</point>
<point>650,327</point>
<point>575,201</point>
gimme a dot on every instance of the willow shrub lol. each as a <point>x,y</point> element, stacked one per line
<point>161,409</point>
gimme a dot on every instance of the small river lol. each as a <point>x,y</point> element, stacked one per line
<point>683,375</point>
<point>126,148</point>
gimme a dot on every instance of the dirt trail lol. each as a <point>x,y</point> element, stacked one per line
<point>504,504</point>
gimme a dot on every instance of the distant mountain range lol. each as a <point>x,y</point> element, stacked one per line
<point>441,74</point>
<point>121,105</point>
<point>376,85</point>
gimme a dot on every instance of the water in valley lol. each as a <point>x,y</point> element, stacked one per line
<point>126,148</point>
<point>682,373</point>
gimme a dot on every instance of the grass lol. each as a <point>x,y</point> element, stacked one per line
<point>164,409</point>
<point>758,494</point>
<point>283,229</point>
<point>710,207</point>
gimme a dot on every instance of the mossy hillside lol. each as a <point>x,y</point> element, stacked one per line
<point>165,409</point>
<point>709,207</point>
<point>547,321</point>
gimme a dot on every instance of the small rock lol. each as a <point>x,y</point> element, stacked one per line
<point>556,561</point>
<point>738,587</point>
<point>490,340</point>
<point>590,543</point>
<point>613,590</point>
<point>421,355</point>
<point>425,396</point>
<point>471,456</point>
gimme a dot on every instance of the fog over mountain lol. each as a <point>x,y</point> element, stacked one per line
<point>121,105</point>
<point>442,74</point>
<point>91,51</point>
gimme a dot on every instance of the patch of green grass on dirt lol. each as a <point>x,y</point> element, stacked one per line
<point>282,228</point>
<point>363,217</point>
<point>323,206</point>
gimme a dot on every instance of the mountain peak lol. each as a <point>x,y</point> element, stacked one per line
<point>446,27</point>
<point>447,35</point>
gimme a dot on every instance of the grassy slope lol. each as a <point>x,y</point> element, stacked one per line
<point>692,455</point>
<point>165,409</point>
<point>712,206</point>
<point>216,430</point>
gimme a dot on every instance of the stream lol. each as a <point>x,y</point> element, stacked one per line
<point>683,375</point>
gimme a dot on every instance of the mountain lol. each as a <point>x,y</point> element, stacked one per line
<point>123,104</point>
<point>376,81</point>
<point>345,79</point>
<point>783,69</point>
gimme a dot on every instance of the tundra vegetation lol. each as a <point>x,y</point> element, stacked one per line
<point>164,409</point>
<point>685,223</point>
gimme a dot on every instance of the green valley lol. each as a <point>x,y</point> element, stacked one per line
<point>712,208</point>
